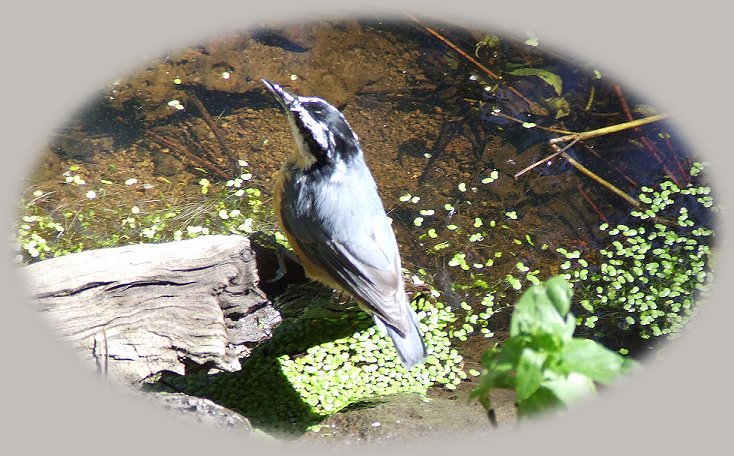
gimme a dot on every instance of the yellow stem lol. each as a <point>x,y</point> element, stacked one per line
<point>609,130</point>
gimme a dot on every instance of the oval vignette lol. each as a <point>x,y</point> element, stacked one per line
<point>146,134</point>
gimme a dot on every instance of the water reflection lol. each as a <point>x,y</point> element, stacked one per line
<point>164,152</point>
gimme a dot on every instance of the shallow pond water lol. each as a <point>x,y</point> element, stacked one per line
<point>445,139</point>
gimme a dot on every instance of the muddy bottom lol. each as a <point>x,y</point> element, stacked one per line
<point>402,418</point>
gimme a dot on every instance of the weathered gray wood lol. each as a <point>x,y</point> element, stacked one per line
<point>138,310</point>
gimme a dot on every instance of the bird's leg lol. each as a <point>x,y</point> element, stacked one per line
<point>281,266</point>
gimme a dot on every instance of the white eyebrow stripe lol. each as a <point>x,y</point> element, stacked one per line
<point>311,99</point>
<point>321,133</point>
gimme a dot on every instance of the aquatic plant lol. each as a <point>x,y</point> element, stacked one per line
<point>319,369</point>
<point>541,361</point>
<point>309,369</point>
<point>337,373</point>
<point>460,239</point>
<point>95,215</point>
<point>653,268</point>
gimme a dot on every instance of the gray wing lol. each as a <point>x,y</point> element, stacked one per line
<point>345,231</point>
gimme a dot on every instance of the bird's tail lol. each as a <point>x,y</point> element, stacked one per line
<point>410,347</point>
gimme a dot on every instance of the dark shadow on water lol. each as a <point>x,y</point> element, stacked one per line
<point>127,125</point>
<point>260,391</point>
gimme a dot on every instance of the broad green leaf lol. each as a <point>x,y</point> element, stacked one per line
<point>551,79</point>
<point>541,401</point>
<point>500,366</point>
<point>546,342</point>
<point>484,387</point>
<point>542,361</point>
<point>571,388</point>
<point>501,369</point>
<point>593,360</point>
<point>529,373</point>
<point>534,313</point>
<point>489,355</point>
<point>510,352</point>
<point>568,331</point>
<point>559,292</point>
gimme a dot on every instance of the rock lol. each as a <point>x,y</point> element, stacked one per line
<point>165,164</point>
<point>76,145</point>
<point>203,411</point>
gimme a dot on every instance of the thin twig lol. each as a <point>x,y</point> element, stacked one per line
<point>598,179</point>
<point>615,167</point>
<point>591,98</point>
<point>456,48</point>
<point>645,141</point>
<point>610,129</point>
<point>520,121</point>
<point>212,125</point>
<point>174,146</point>
<point>669,145</point>
<point>593,206</point>
<point>623,102</point>
<point>658,154</point>
<point>534,107</point>
<point>545,160</point>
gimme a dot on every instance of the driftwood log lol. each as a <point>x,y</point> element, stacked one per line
<point>136,311</point>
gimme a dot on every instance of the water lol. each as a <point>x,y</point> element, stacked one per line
<point>443,139</point>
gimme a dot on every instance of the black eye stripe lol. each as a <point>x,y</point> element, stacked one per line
<point>340,140</point>
<point>313,146</point>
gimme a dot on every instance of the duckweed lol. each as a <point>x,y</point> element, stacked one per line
<point>645,283</point>
<point>650,274</point>
<point>333,375</point>
<point>95,217</point>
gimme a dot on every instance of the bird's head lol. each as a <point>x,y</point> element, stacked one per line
<point>321,132</point>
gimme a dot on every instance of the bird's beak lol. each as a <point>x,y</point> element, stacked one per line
<point>283,97</point>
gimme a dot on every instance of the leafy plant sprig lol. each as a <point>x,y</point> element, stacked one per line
<point>541,361</point>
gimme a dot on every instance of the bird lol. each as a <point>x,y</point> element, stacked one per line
<point>327,205</point>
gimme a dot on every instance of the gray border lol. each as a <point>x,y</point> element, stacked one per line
<point>56,55</point>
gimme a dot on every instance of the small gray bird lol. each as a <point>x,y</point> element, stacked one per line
<point>327,205</point>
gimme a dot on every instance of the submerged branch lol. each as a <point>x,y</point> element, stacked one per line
<point>595,177</point>
<point>534,107</point>
<point>557,152</point>
<point>591,203</point>
<point>181,150</point>
<point>609,130</point>
<point>520,121</point>
<point>212,126</point>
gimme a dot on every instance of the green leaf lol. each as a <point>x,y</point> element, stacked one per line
<point>542,361</point>
<point>594,360</point>
<point>560,105</point>
<point>499,368</point>
<point>559,292</point>
<point>567,332</point>
<point>484,387</point>
<point>534,313</point>
<point>529,373</point>
<point>542,400</point>
<point>571,388</point>
<point>546,342</point>
<point>505,359</point>
<point>551,79</point>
